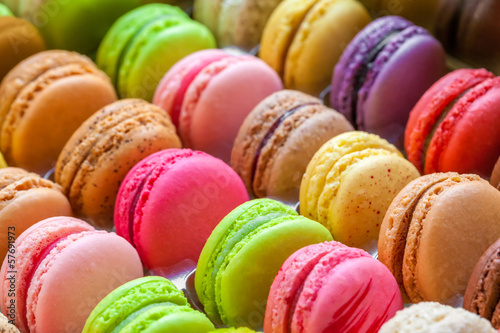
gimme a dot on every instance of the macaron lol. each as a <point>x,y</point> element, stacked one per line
<point>43,100</point>
<point>495,175</point>
<point>143,44</point>
<point>349,184</point>
<point>468,31</point>
<point>435,231</point>
<point>170,202</point>
<point>208,97</point>
<point>5,11</point>
<point>453,127</point>
<point>149,304</point>
<point>102,151</point>
<point>390,54</point>
<point>61,269</point>
<point>329,287</point>
<point>6,326</point>
<point>303,40</point>
<point>234,330</point>
<point>434,317</point>
<point>239,23</point>
<point>278,139</point>
<point>19,39</point>
<point>482,293</point>
<point>25,199</point>
<point>243,255</point>
<point>77,25</point>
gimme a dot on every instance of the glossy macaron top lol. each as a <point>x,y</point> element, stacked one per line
<point>104,148</point>
<point>278,139</point>
<point>453,126</point>
<point>207,96</point>
<point>260,234</point>
<point>301,40</point>
<point>48,95</point>
<point>144,43</point>
<point>328,281</point>
<point>434,232</point>
<point>482,293</point>
<point>150,303</point>
<point>372,67</point>
<point>170,202</point>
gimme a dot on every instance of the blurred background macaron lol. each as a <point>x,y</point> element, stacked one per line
<point>25,199</point>
<point>43,100</point>
<point>303,40</point>
<point>209,93</point>
<point>100,153</point>
<point>19,39</point>
<point>144,43</point>
<point>5,11</point>
<point>239,23</point>
<point>63,268</point>
<point>76,25</point>
<point>383,73</point>
<point>278,139</point>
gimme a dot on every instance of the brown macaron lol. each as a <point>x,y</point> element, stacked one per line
<point>278,139</point>
<point>104,148</point>
<point>495,175</point>
<point>482,295</point>
<point>434,232</point>
<point>25,199</point>
<point>19,39</point>
<point>43,100</point>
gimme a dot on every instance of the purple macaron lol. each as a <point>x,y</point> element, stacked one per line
<point>383,73</point>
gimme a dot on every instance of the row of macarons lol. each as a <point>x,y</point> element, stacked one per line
<point>466,29</point>
<point>263,266</point>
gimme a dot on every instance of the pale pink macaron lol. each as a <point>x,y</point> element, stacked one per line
<point>57,272</point>
<point>208,95</point>
<point>329,287</point>
<point>170,202</point>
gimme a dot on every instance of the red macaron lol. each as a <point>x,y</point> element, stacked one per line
<point>454,126</point>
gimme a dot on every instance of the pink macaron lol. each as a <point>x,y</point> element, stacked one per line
<point>58,270</point>
<point>170,202</point>
<point>329,287</point>
<point>209,93</point>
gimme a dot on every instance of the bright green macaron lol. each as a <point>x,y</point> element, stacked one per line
<point>148,305</point>
<point>76,25</point>
<point>5,11</point>
<point>144,43</point>
<point>243,255</point>
<point>234,330</point>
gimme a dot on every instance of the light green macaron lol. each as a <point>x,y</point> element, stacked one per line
<point>242,256</point>
<point>5,11</point>
<point>148,305</point>
<point>143,44</point>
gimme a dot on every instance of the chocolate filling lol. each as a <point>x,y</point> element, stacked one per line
<point>364,69</point>
<point>271,131</point>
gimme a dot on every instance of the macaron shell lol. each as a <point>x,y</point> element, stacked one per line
<point>145,63</point>
<point>315,49</point>
<point>280,31</point>
<point>384,113</point>
<point>225,80</point>
<point>359,294</point>
<point>467,140</point>
<point>365,193</point>
<point>495,174</point>
<point>207,12</point>
<point>200,189</point>
<point>252,282</point>
<point>30,245</point>
<point>19,39</point>
<point>65,289</point>
<point>446,253</point>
